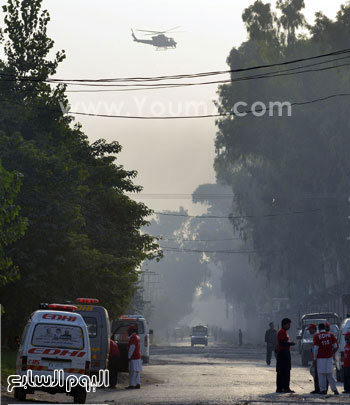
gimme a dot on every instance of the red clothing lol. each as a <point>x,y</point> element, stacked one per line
<point>113,349</point>
<point>347,355</point>
<point>282,335</point>
<point>324,341</point>
<point>134,339</point>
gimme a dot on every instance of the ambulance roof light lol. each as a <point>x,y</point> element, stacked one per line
<point>131,317</point>
<point>62,307</point>
<point>87,300</point>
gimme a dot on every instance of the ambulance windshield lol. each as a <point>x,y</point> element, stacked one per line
<point>60,336</point>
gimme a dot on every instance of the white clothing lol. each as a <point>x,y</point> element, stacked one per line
<point>131,351</point>
<point>134,378</point>
<point>135,368</point>
<point>135,365</point>
<point>322,381</point>
<point>325,366</point>
<point>325,372</point>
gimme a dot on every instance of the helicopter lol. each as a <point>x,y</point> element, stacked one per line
<point>159,40</point>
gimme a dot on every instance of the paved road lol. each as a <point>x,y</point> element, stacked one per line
<point>208,375</point>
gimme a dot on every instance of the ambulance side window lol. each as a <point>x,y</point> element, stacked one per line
<point>91,324</point>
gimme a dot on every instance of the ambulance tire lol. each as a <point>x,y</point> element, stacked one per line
<point>146,360</point>
<point>20,393</point>
<point>79,396</point>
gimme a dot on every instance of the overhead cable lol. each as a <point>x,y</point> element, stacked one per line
<point>270,215</point>
<point>191,75</point>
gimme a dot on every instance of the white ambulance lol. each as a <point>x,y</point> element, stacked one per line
<point>55,342</point>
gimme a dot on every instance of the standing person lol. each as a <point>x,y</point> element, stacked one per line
<point>134,356</point>
<point>113,363</point>
<point>270,340</point>
<point>325,344</point>
<point>240,337</point>
<point>347,363</point>
<point>313,329</point>
<point>284,363</point>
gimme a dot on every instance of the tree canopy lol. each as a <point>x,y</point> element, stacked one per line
<point>290,175</point>
<point>84,233</point>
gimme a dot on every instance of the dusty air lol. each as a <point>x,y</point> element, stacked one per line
<point>174,226</point>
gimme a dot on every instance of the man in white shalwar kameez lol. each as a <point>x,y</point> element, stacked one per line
<point>325,344</point>
<point>134,356</point>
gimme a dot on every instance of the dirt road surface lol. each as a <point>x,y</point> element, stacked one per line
<point>217,374</point>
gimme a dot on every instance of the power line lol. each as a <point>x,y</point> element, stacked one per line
<point>142,86</point>
<point>181,196</point>
<point>271,215</point>
<point>198,240</point>
<point>182,76</point>
<point>179,250</point>
<point>270,75</point>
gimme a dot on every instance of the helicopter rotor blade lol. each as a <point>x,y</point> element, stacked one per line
<point>153,32</point>
<point>159,32</point>
<point>171,29</point>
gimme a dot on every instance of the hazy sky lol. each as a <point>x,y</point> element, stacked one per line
<point>170,156</point>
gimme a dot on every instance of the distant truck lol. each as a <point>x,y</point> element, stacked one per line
<point>199,335</point>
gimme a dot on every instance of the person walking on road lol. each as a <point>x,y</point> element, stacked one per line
<point>134,356</point>
<point>271,341</point>
<point>347,363</point>
<point>325,344</point>
<point>313,329</point>
<point>284,363</point>
<point>240,337</point>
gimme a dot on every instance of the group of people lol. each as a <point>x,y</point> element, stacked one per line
<point>324,346</point>
<point>134,360</point>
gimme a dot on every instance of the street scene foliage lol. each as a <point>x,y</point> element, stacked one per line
<point>289,175</point>
<point>71,230</point>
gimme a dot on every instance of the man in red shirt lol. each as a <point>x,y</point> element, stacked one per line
<point>325,344</point>
<point>134,356</point>
<point>347,363</point>
<point>284,363</point>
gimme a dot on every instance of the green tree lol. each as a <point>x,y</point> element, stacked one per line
<point>84,234</point>
<point>294,168</point>
<point>12,225</point>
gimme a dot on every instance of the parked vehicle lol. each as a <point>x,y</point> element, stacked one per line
<point>199,335</point>
<point>97,321</point>
<point>307,340</point>
<point>339,356</point>
<point>120,332</point>
<point>55,338</point>
<point>307,319</point>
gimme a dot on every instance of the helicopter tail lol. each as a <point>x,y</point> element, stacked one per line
<point>133,35</point>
